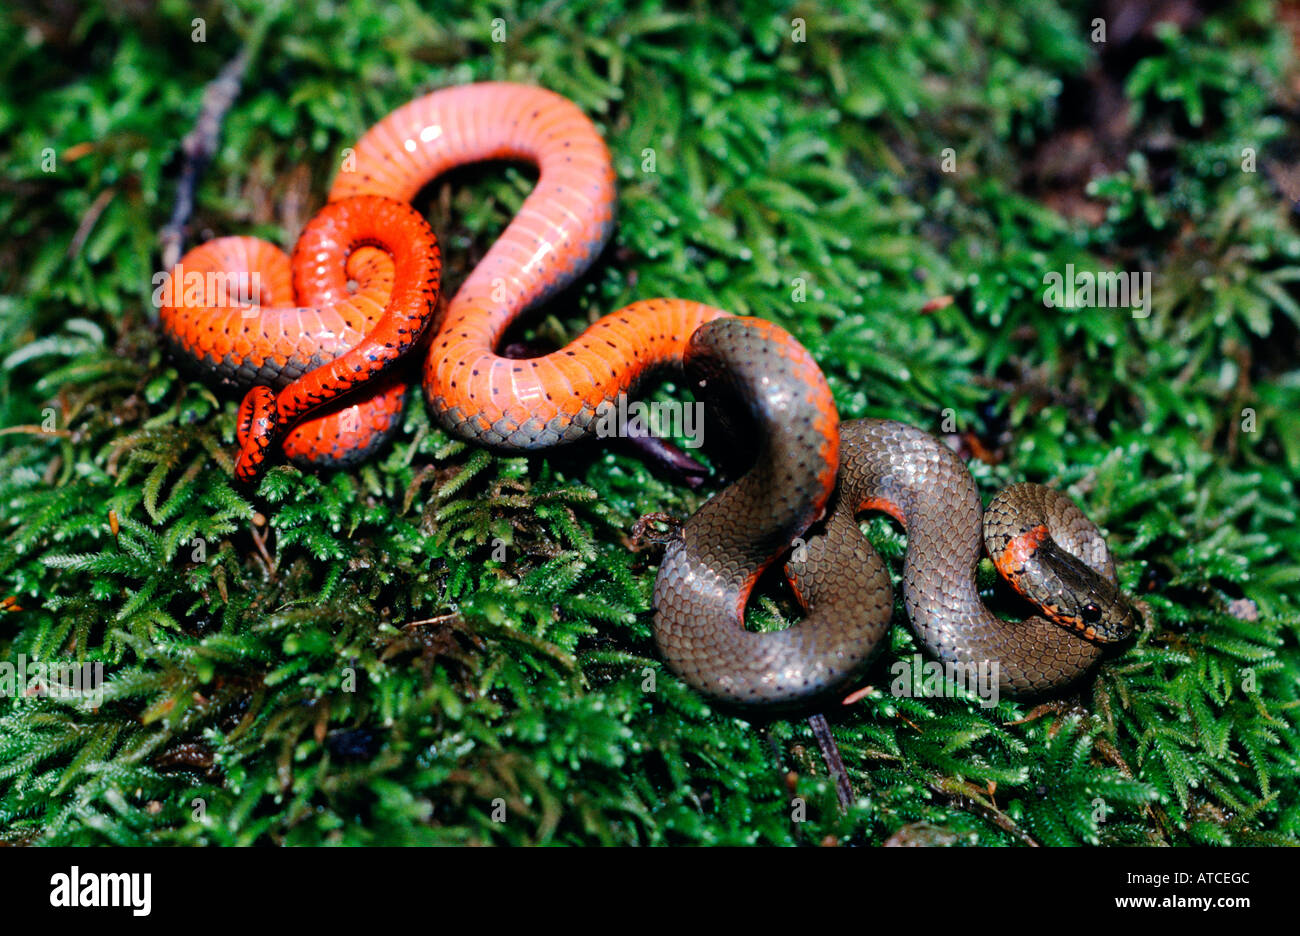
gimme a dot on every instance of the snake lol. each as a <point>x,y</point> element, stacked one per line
<point>1041,543</point>
<point>317,353</point>
<point>318,349</point>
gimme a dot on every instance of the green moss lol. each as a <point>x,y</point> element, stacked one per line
<point>403,648</point>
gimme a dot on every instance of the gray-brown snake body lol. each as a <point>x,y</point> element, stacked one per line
<point>1039,540</point>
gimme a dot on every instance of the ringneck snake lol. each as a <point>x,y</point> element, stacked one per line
<point>316,351</point>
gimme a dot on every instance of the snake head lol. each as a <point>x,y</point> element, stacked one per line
<point>1076,596</point>
<point>1106,617</point>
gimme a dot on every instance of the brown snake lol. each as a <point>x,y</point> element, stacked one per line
<point>1039,540</point>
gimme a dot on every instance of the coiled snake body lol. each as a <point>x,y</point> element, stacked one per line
<point>473,392</point>
<point>316,353</point>
<point>1039,540</point>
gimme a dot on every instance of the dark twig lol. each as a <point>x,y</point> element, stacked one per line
<point>200,143</point>
<point>198,146</point>
<point>834,762</point>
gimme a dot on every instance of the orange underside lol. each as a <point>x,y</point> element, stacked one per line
<point>884,506</point>
<point>1018,553</point>
<point>556,234</point>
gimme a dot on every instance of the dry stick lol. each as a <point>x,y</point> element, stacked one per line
<point>200,143</point>
<point>834,762</point>
<point>198,146</point>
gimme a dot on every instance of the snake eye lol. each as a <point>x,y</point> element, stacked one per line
<point>1090,613</point>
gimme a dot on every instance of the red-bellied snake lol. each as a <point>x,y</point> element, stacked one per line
<point>315,351</point>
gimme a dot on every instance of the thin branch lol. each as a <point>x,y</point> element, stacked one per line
<point>834,762</point>
<point>199,146</point>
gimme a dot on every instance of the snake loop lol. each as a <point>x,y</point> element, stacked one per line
<point>313,354</point>
<point>1040,541</point>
